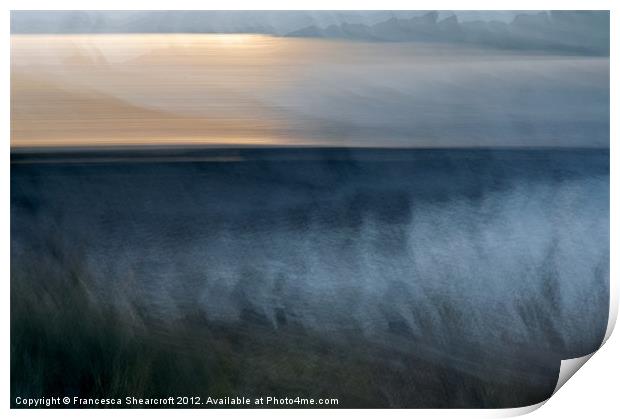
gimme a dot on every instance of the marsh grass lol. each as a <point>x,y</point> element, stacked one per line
<point>65,341</point>
<point>447,279</point>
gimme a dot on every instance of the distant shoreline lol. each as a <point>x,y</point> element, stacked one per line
<point>180,154</point>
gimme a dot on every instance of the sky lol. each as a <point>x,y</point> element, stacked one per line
<point>418,87</point>
<point>278,22</point>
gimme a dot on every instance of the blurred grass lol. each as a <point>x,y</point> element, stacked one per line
<point>65,341</point>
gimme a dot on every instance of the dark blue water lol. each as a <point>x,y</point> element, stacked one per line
<point>387,278</point>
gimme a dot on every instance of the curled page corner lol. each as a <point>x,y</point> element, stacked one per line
<point>568,368</point>
<point>519,411</point>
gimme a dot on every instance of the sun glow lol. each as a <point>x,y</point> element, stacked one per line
<point>115,89</point>
<point>240,39</point>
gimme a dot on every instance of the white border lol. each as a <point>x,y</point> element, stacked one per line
<point>593,393</point>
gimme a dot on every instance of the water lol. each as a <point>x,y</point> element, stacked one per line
<point>384,277</point>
